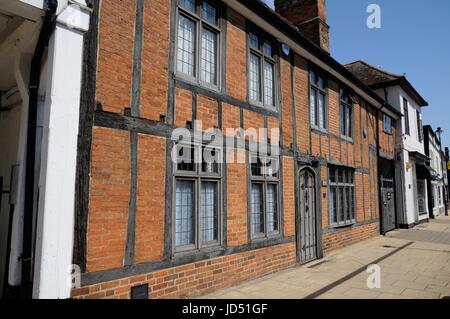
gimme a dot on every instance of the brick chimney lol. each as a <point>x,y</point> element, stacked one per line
<point>310,16</point>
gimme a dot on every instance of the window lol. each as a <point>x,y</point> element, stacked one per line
<point>197,197</point>
<point>261,70</point>
<point>387,124</point>
<point>342,196</point>
<point>264,197</point>
<point>198,35</point>
<point>317,100</point>
<point>419,126</point>
<point>406,113</point>
<point>346,117</point>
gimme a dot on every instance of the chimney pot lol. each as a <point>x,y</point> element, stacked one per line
<point>309,16</point>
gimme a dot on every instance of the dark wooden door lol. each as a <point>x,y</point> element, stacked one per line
<point>308,227</point>
<point>388,204</point>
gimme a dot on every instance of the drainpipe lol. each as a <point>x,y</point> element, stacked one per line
<point>48,26</point>
<point>380,201</point>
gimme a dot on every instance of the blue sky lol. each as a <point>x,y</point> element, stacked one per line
<point>414,39</point>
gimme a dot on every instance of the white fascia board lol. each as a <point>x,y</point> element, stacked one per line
<point>250,15</point>
<point>54,242</point>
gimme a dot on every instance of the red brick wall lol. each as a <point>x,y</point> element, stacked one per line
<point>236,56</point>
<point>115,54</point>
<point>289,196</point>
<point>183,107</point>
<point>231,118</point>
<point>302,105</point>
<point>155,58</point>
<point>151,199</point>
<point>236,204</point>
<point>207,112</point>
<point>109,199</point>
<point>198,278</point>
<point>349,236</point>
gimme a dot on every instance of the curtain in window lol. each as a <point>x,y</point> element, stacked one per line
<point>208,211</point>
<point>184,215</point>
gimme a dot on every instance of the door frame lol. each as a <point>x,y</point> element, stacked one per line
<point>315,171</point>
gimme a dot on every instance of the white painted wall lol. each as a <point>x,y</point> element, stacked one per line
<point>54,242</point>
<point>405,145</point>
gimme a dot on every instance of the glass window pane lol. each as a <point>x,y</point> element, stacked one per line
<point>333,205</point>
<point>209,57</point>
<point>312,77</point>
<point>343,120</point>
<point>254,41</point>
<point>210,160</point>
<point>208,211</point>
<point>349,122</point>
<point>256,166</point>
<point>184,214</point>
<point>321,110</point>
<point>185,160</point>
<point>186,46</point>
<point>271,208</point>
<point>209,13</point>
<point>312,107</point>
<point>188,4</point>
<point>321,83</point>
<point>267,49</point>
<point>341,204</point>
<point>256,210</point>
<point>255,77</point>
<point>268,84</point>
<point>271,167</point>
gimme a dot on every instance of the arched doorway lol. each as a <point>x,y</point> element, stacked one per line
<point>308,216</point>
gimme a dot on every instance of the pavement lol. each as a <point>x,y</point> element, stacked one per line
<point>410,264</point>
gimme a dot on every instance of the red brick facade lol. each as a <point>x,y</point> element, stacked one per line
<point>111,161</point>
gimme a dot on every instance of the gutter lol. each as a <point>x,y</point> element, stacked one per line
<point>48,26</point>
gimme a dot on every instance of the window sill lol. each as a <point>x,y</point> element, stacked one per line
<point>343,225</point>
<point>180,77</point>
<point>347,139</point>
<point>268,238</point>
<point>319,130</point>
<point>198,251</point>
<point>253,103</point>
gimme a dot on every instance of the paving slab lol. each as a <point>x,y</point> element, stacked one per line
<point>420,270</point>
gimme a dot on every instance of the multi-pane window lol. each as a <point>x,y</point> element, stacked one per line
<point>387,124</point>
<point>261,70</point>
<point>317,100</point>
<point>406,114</point>
<point>197,197</point>
<point>419,126</point>
<point>264,195</point>
<point>346,114</point>
<point>342,196</point>
<point>197,41</point>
